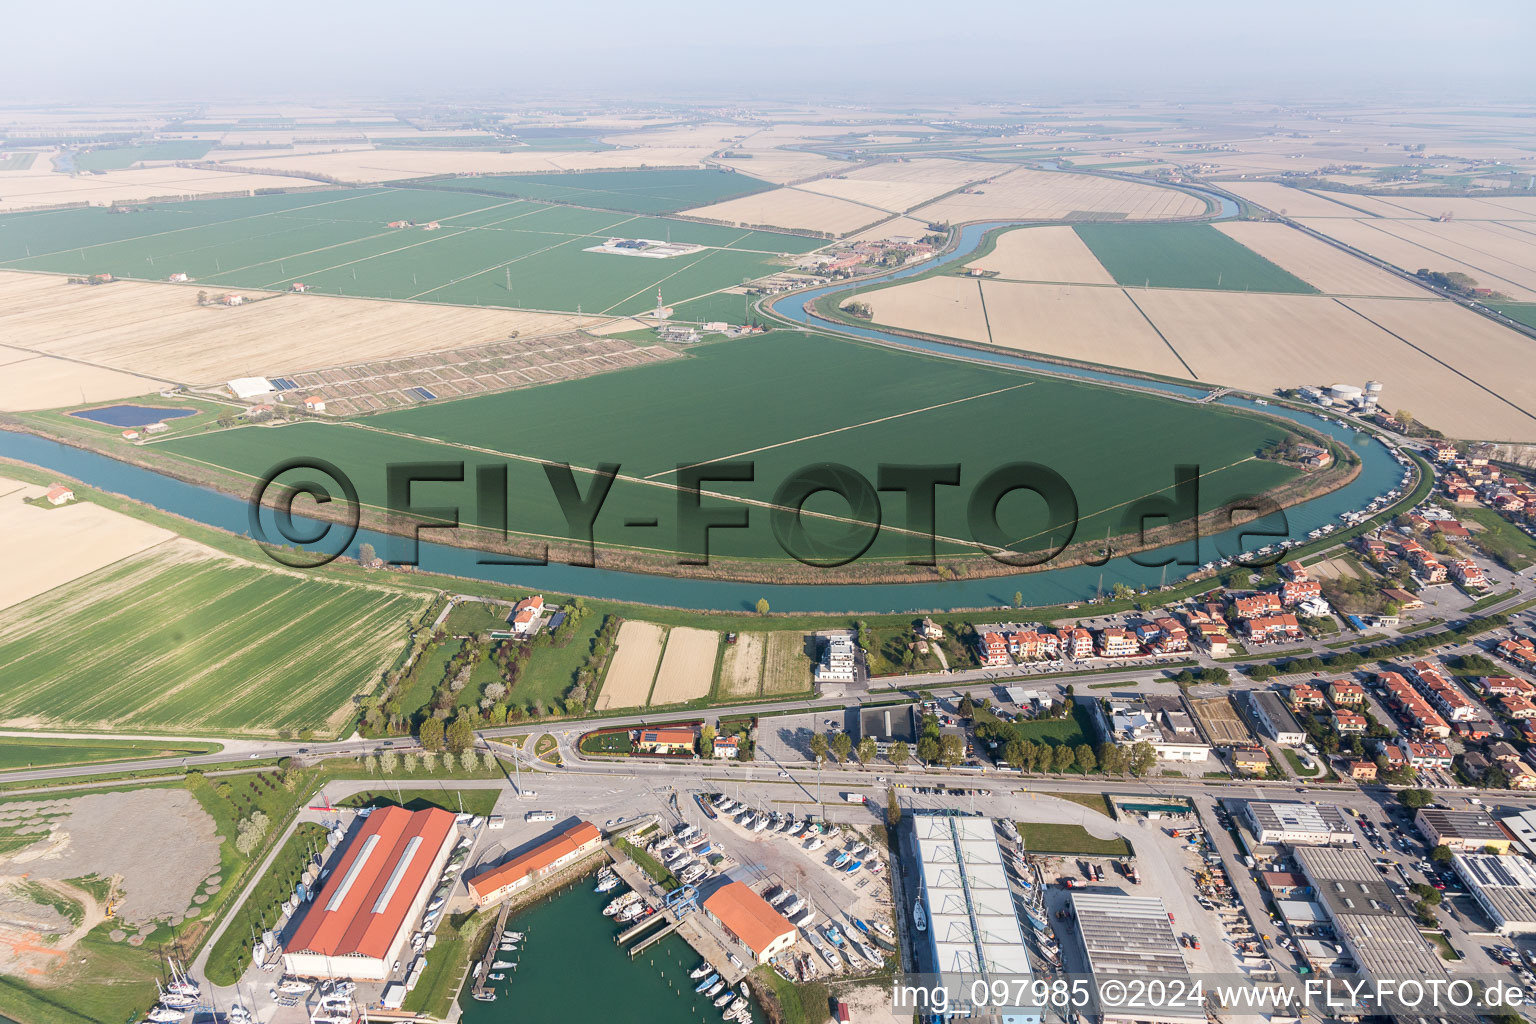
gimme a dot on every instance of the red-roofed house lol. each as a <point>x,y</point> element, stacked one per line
<point>1294,592</point>
<point>1117,643</point>
<point>1079,644</point>
<point>993,649</point>
<point>363,916</point>
<point>1348,722</point>
<point>1519,708</point>
<point>749,919</point>
<point>525,614</point>
<point>666,741</point>
<point>1256,605</point>
<point>526,868</point>
<point>1343,692</point>
<point>1304,696</point>
<point>58,494</point>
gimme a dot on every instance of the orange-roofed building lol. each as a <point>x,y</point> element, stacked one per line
<point>526,868</point>
<point>666,741</point>
<point>360,921</point>
<point>749,919</point>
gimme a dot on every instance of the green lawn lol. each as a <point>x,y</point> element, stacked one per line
<point>16,752</point>
<point>476,617</point>
<point>643,191</point>
<point>171,639</point>
<point>1093,801</point>
<point>1296,765</point>
<point>551,671</point>
<point>109,158</point>
<point>1184,256</point>
<point>1075,729</point>
<point>1055,837</point>
<point>488,250</point>
<point>1499,537</point>
<point>231,955</point>
<point>749,399</point>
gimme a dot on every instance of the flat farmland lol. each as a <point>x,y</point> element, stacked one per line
<point>628,191</point>
<point>748,400</point>
<point>17,161</point>
<point>793,209</point>
<point>1028,194</point>
<point>786,665</point>
<point>1054,253</point>
<point>484,251</point>
<point>1505,254</point>
<point>1183,256</point>
<point>687,666</point>
<point>1262,342</point>
<point>633,668</point>
<point>944,304</point>
<point>32,381</point>
<point>1324,267</point>
<point>51,546</point>
<point>1386,240</point>
<point>897,187</point>
<point>741,667</point>
<point>159,329</point>
<point>111,158</point>
<point>178,637</point>
<point>1291,202</point>
<point>41,186</point>
<point>370,166</point>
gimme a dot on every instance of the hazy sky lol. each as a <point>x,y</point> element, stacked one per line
<point>178,49</point>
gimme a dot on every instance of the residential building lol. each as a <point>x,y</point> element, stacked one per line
<point>1345,693</point>
<point>1305,697</point>
<point>1117,643</point>
<point>1250,760</point>
<point>1428,754</point>
<point>1468,574</point>
<point>727,748</point>
<point>1161,721</point>
<point>1362,770</point>
<point>838,660</point>
<point>1294,592</point>
<point>1348,723</point>
<point>993,649</point>
<point>666,741</point>
<point>1273,628</point>
<point>501,881</point>
<point>1078,644</point>
<point>1294,570</point>
<point>526,615</point>
<point>1443,695</point>
<point>58,494</point>
<point>314,403</point>
<point>1172,638</point>
<point>1256,605</point>
<point>1519,708</point>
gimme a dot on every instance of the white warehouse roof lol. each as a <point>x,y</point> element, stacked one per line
<point>250,387</point>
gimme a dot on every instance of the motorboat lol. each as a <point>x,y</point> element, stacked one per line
<point>854,866</point>
<point>435,904</point>
<point>512,936</point>
<point>484,995</point>
<point>607,882</point>
<point>508,947</point>
<point>714,989</point>
<point>497,976</point>
<point>919,916</point>
<point>726,997</point>
<point>165,1015</point>
<point>617,904</point>
<point>842,858</point>
<point>501,965</point>
<point>707,982</point>
<point>816,844</point>
<point>832,933</point>
<point>701,970</point>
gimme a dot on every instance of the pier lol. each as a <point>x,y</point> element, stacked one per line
<point>491,948</point>
<point>651,940</point>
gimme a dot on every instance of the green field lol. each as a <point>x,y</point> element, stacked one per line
<point>16,752</point>
<point>110,158</point>
<point>487,251</point>
<point>626,191</point>
<point>1520,312</point>
<point>764,399</point>
<point>169,638</point>
<point>1041,837</point>
<point>1184,256</point>
<point>16,161</point>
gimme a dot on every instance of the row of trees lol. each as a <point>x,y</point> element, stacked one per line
<point>389,762</point>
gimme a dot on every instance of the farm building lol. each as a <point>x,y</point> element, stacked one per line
<point>749,919</point>
<point>505,879</point>
<point>362,918</point>
<point>58,494</point>
<point>314,403</point>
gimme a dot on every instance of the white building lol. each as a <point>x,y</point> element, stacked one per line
<point>1505,887</point>
<point>1131,937</point>
<point>1160,721</point>
<point>838,655</point>
<point>1297,823</point>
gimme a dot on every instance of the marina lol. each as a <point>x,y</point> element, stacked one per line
<point>569,929</point>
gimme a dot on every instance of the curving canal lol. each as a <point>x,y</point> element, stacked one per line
<point>1380,472</point>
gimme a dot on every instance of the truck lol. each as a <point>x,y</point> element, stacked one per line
<point>539,816</point>
<point>1133,874</point>
<point>854,798</point>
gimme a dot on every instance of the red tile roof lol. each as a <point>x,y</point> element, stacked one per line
<point>363,905</point>
<point>536,859</point>
<point>747,915</point>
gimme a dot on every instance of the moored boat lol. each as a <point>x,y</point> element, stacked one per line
<point>707,982</point>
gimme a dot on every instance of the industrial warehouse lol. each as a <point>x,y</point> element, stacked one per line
<point>523,870</point>
<point>358,925</point>
<point>1505,887</point>
<point>1132,937</point>
<point>1292,822</point>
<point>972,928</point>
<point>1381,940</point>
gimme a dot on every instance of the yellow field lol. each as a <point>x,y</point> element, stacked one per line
<point>1407,207</point>
<point>1044,254</point>
<point>780,166</point>
<point>1321,265</point>
<point>898,187</point>
<point>687,667</point>
<point>51,546</point>
<point>1495,357</point>
<point>37,187</point>
<point>1262,342</point>
<point>741,667</point>
<point>1050,195</point>
<point>633,669</point>
<point>1099,325</point>
<point>1386,241</point>
<point>159,330</point>
<point>787,668</point>
<point>1505,254</point>
<point>944,305</point>
<point>1292,202</point>
<point>366,166</point>
<point>793,210</point>
<point>32,381</point>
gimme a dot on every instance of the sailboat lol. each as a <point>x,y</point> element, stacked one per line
<point>707,982</point>
<point>165,1015</point>
<point>919,918</point>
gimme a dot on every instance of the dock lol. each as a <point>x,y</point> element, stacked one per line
<point>491,949</point>
<point>652,939</point>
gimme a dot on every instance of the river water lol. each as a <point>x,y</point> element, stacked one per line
<point>1379,473</point>
<point>569,968</point>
